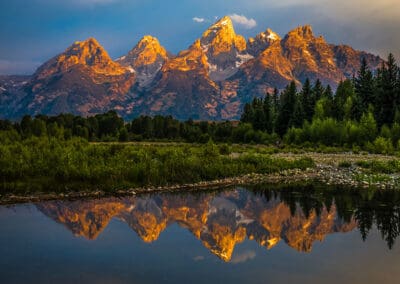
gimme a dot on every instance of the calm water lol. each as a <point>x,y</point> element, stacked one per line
<point>291,235</point>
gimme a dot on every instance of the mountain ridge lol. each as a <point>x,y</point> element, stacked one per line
<point>212,79</point>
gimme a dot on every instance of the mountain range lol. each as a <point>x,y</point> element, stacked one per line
<point>211,80</point>
<point>221,222</point>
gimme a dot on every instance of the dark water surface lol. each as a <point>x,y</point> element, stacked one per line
<point>290,235</point>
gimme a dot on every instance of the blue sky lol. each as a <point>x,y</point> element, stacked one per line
<point>32,31</point>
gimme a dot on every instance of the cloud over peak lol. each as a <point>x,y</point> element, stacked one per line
<point>198,20</point>
<point>243,21</point>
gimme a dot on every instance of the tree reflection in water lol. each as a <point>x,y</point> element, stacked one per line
<point>297,215</point>
<point>368,207</point>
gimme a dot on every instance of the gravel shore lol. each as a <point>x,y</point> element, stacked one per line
<point>326,171</point>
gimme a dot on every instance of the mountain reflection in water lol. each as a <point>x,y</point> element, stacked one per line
<point>221,220</point>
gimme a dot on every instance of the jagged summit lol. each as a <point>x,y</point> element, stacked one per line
<point>91,41</point>
<point>211,80</point>
<point>145,59</point>
<point>225,50</point>
<point>146,52</point>
<point>88,53</point>
<point>148,38</point>
<point>225,23</point>
<point>221,37</point>
<point>79,80</point>
<point>188,60</point>
<point>262,41</point>
<point>145,42</point>
<point>271,35</point>
<point>305,32</point>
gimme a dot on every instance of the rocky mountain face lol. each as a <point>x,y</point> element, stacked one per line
<point>145,59</point>
<point>210,80</point>
<point>11,93</point>
<point>225,50</point>
<point>82,80</point>
<point>220,222</point>
<point>183,83</point>
<point>296,57</point>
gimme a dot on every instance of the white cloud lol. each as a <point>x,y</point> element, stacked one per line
<point>243,21</point>
<point>199,20</point>
<point>198,258</point>
<point>243,257</point>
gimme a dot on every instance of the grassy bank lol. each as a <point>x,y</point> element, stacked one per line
<point>77,161</point>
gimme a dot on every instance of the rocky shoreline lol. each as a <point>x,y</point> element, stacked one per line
<point>329,174</point>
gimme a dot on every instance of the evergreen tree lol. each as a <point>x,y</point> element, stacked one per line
<point>328,102</point>
<point>395,131</point>
<point>39,127</point>
<point>344,91</point>
<point>275,108</point>
<point>123,135</point>
<point>259,120</point>
<point>307,100</point>
<point>317,92</point>
<point>287,105</point>
<point>26,126</point>
<point>387,91</point>
<point>275,100</point>
<point>364,91</point>
<point>364,86</point>
<point>357,108</point>
<point>248,114</point>
<point>268,123</point>
<point>397,88</point>
<point>298,115</point>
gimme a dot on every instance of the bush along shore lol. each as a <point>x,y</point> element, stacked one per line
<point>29,162</point>
<point>41,168</point>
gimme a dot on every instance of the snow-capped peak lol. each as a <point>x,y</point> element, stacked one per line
<point>223,22</point>
<point>273,36</point>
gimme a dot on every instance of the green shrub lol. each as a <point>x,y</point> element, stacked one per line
<point>76,160</point>
<point>383,146</point>
<point>387,167</point>
<point>224,149</point>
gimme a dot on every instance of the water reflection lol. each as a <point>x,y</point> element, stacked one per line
<point>221,220</point>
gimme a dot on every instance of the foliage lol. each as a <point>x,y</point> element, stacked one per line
<point>364,114</point>
<point>76,160</point>
<point>386,167</point>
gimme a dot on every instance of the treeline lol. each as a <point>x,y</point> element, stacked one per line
<point>110,127</point>
<point>364,112</point>
<point>363,206</point>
